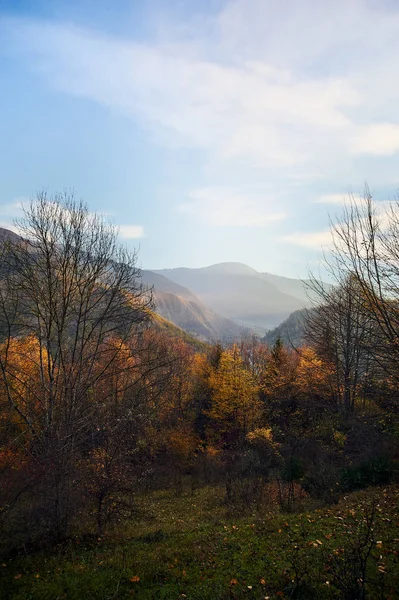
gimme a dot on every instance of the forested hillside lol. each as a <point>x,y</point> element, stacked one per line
<point>110,417</point>
<point>180,306</point>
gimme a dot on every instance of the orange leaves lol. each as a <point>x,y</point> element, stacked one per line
<point>25,367</point>
<point>12,459</point>
<point>182,442</point>
<point>135,579</point>
<point>235,393</point>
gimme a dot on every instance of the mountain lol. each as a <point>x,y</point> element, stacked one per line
<point>238,292</point>
<point>221,301</point>
<point>7,235</point>
<point>290,331</point>
<point>180,306</point>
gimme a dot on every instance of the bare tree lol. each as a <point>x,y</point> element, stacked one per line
<point>339,328</point>
<point>71,301</point>
<point>366,243</point>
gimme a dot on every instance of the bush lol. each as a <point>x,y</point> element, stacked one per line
<point>375,471</point>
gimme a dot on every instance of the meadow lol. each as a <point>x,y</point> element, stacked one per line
<point>195,547</point>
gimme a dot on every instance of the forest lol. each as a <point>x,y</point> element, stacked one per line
<point>123,440</point>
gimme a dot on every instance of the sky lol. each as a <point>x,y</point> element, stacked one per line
<point>211,131</point>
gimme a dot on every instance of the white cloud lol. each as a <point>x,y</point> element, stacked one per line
<point>130,232</point>
<point>301,90</point>
<point>315,240</point>
<point>10,226</point>
<point>225,207</point>
<point>13,209</point>
<point>380,139</point>
<point>339,199</point>
<point>246,110</point>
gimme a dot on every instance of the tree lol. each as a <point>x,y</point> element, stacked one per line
<point>366,245</point>
<point>340,330</point>
<point>235,401</point>
<point>68,288</point>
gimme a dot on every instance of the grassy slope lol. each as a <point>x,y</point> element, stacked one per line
<point>163,324</point>
<point>190,547</point>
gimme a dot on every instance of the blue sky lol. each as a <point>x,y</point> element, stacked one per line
<point>207,131</point>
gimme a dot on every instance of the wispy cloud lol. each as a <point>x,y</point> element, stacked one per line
<point>380,139</point>
<point>339,199</point>
<point>257,87</point>
<point>241,110</point>
<point>316,239</point>
<point>130,232</point>
<point>226,207</point>
<point>14,209</point>
<point>7,225</point>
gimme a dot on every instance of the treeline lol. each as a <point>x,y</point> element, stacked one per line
<point>98,405</point>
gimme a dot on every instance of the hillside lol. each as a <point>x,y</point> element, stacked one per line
<point>180,306</point>
<point>169,305</point>
<point>6,234</point>
<point>290,331</point>
<point>238,292</point>
<point>221,301</point>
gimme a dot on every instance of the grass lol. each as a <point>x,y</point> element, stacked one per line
<point>191,547</point>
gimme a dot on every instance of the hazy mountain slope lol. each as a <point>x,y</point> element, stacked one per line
<point>290,331</point>
<point>176,304</point>
<point>299,288</point>
<point>174,331</point>
<point>293,287</point>
<point>163,284</point>
<point>238,292</point>
<point>180,306</point>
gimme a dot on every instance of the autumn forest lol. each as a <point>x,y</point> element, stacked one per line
<point>124,440</point>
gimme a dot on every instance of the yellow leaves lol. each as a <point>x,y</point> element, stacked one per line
<point>311,372</point>
<point>263,434</point>
<point>235,393</point>
<point>233,582</point>
<point>25,370</point>
<point>339,438</point>
<point>182,442</point>
<point>378,544</point>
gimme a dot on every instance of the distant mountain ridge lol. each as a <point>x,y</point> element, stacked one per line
<point>242,294</point>
<point>291,331</point>
<point>221,301</point>
<point>179,305</point>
